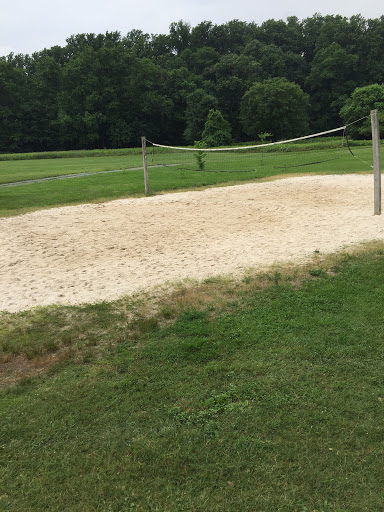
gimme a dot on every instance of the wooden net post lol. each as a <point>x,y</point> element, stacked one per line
<point>376,161</point>
<point>145,164</point>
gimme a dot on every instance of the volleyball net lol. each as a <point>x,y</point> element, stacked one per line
<point>318,151</point>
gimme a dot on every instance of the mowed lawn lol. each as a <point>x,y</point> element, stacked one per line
<point>180,172</point>
<point>265,394</point>
<point>262,394</point>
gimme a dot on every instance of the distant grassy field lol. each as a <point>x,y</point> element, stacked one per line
<point>20,170</point>
<point>182,172</point>
<point>69,154</point>
<point>264,394</point>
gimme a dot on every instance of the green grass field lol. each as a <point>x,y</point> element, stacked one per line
<point>264,394</point>
<point>20,170</point>
<point>182,173</point>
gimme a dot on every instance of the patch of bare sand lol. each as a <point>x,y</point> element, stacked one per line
<point>96,252</point>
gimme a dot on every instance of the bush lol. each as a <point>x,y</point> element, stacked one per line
<point>200,155</point>
<point>217,130</point>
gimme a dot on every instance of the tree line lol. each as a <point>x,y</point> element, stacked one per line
<point>106,90</point>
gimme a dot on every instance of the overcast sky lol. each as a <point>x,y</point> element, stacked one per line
<point>27,26</point>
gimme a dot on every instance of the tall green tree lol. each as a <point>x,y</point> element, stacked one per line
<point>371,53</point>
<point>217,130</point>
<point>199,104</point>
<point>236,35</point>
<point>95,105</point>
<point>229,92</point>
<point>311,29</point>
<point>275,106</point>
<point>288,36</point>
<point>179,36</point>
<point>202,60</point>
<point>348,33</point>
<point>179,85</point>
<point>331,80</point>
<point>46,85</point>
<point>138,42</point>
<point>15,97</point>
<point>359,105</point>
<point>151,108</point>
<point>204,34</point>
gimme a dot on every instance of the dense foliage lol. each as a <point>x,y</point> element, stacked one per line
<point>356,107</point>
<point>107,90</point>
<point>217,130</point>
<point>276,105</point>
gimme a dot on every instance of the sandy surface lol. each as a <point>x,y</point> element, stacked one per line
<point>90,252</point>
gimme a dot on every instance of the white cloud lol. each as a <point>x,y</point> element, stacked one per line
<point>5,50</point>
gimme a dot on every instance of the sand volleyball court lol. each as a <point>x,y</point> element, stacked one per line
<point>94,252</point>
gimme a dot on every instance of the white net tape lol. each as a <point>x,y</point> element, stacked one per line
<point>251,147</point>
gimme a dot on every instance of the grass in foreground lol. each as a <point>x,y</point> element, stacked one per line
<point>264,394</point>
<point>236,168</point>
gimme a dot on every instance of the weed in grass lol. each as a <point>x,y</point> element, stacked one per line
<point>145,325</point>
<point>167,312</point>
<point>209,408</point>
<point>277,278</point>
<point>87,356</point>
<point>317,272</point>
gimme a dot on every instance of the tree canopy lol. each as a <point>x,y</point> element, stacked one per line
<point>107,90</point>
<point>277,106</point>
<point>359,105</point>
